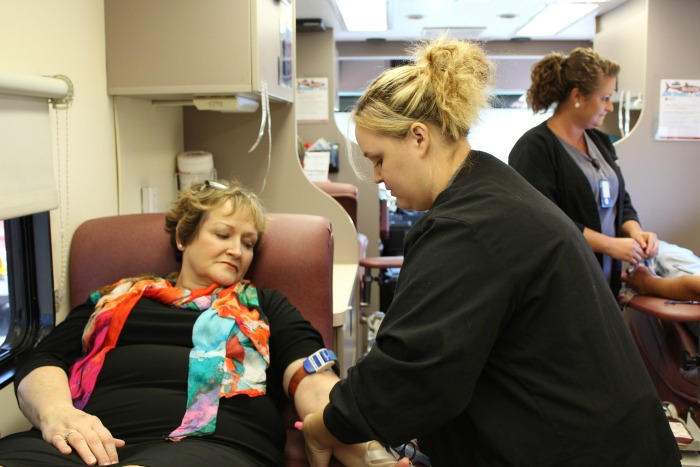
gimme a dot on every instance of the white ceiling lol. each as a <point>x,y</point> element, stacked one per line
<point>467,19</point>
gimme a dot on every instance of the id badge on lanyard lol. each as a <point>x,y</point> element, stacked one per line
<point>605,198</point>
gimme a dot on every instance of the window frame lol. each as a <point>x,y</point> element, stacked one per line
<point>30,287</point>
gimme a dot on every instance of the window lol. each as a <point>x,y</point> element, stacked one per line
<point>26,287</point>
<point>4,292</point>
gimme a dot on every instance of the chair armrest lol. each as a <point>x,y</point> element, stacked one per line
<point>658,308</point>
<point>382,262</point>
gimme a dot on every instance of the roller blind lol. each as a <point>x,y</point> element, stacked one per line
<point>27,178</point>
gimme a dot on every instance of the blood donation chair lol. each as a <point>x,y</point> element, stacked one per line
<point>296,250</point>
<point>346,195</point>
<point>668,348</point>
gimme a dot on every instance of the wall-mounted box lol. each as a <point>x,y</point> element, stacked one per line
<point>165,49</point>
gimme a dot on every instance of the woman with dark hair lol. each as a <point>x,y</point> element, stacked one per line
<point>573,164</point>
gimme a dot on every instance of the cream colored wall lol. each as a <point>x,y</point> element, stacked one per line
<point>147,158</point>
<point>317,58</point>
<point>355,74</point>
<point>661,176</point>
<point>278,179</point>
<point>48,37</point>
<point>229,137</point>
<point>625,29</point>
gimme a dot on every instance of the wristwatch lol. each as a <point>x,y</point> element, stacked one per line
<point>319,361</point>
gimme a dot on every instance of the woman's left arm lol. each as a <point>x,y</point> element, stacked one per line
<point>647,240</point>
<point>311,397</point>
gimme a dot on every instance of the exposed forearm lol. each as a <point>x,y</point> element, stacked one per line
<point>623,249</point>
<point>311,397</point>
<point>45,399</point>
<point>350,455</point>
<point>312,393</point>
<point>601,243</point>
<point>42,391</point>
<point>677,288</point>
<point>631,228</point>
<point>686,288</point>
<point>598,242</point>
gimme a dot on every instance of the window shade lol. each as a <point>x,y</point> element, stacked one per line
<point>27,178</point>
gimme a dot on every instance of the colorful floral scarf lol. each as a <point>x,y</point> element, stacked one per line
<point>230,339</point>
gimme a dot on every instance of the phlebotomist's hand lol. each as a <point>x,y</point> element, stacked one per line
<point>320,445</point>
<point>625,249</point>
<point>633,248</point>
<point>649,243</point>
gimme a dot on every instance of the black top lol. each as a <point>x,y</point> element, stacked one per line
<point>141,392</point>
<point>540,157</point>
<point>503,345</point>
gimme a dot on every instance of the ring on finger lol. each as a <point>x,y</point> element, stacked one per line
<point>67,434</point>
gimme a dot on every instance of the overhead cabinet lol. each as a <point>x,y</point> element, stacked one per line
<point>180,49</point>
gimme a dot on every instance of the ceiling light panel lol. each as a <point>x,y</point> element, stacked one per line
<point>555,18</point>
<point>363,15</point>
<point>461,33</point>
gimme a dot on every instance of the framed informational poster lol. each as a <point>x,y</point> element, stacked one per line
<point>679,110</point>
<point>312,100</point>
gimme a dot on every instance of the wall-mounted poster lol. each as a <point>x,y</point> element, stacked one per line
<point>679,110</point>
<point>312,100</point>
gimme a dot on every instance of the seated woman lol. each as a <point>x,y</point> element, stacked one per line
<point>575,165</point>
<point>179,371</point>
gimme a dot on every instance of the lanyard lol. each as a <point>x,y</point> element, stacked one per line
<point>596,163</point>
<point>603,183</point>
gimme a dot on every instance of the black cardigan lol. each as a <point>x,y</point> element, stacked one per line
<point>540,157</point>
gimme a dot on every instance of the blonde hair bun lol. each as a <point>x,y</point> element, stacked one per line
<point>447,86</point>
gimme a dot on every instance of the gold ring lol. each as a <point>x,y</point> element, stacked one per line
<point>67,434</point>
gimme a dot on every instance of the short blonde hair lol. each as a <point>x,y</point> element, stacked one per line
<point>553,77</point>
<point>446,86</point>
<point>194,203</point>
